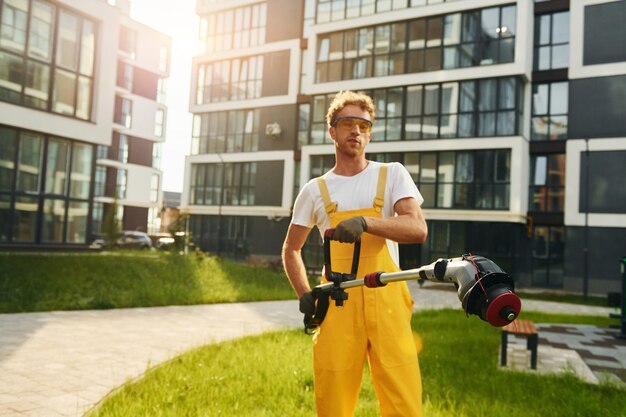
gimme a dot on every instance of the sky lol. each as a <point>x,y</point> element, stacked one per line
<point>177,19</point>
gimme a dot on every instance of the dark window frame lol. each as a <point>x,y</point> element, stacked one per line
<point>428,57</point>
<point>229,184</point>
<point>53,67</point>
<point>41,196</point>
<point>210,92</point>
<point>539,194</point>
<point>254,34</point>
<point>504,108</point>
<point>547,118</point>
<point>550,44</point>
<point>232,137</point>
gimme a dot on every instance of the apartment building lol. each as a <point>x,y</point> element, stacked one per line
<point>81,120</point>
<point>509,115</point>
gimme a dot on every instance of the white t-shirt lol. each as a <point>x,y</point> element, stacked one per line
<point>353,193</point>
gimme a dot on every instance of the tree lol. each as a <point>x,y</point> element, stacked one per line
<point>179,232</point>
<point>111,226</point>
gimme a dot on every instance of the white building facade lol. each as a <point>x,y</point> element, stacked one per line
<point>62,112</point>
<point>502,111</point>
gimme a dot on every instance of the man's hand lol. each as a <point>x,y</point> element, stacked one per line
<point>348,231</point>
<point>307,303</point>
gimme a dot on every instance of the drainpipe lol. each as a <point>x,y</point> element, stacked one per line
<point>219,207</point>
<point>586,231</point>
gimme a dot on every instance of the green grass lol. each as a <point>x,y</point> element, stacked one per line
<point>46,282</point>
<point>271,375</point>
<point>592,300</point>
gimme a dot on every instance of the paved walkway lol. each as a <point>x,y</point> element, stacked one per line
<point>63,363</point>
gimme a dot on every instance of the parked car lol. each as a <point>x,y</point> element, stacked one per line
<point>165,242</point>
<point>127,239</point>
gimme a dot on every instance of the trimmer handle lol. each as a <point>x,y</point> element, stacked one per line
<point>330,275</point>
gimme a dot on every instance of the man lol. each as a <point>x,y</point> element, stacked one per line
<point>380,204</point>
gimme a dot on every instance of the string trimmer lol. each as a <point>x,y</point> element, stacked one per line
<point>484,289</point>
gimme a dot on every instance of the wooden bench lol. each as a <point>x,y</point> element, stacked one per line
<point>521,328</point>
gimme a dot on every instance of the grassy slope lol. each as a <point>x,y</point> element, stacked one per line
<point>31,282</point>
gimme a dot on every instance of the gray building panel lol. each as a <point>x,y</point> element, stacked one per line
<point>607,182</point>
<point>284,20</point>
<point>596,107</point>
<point>606,246</point>
<point>285,116</point>
<point>266,236</point>
<point>269,183</point>
<point>605,33</point>
<point>276,74</point>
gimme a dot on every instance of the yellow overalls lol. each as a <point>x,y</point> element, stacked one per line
<point>374,323</point>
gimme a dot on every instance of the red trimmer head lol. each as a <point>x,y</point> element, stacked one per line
<point>492,297</point>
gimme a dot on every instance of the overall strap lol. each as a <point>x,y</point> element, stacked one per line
<point>328,204</point>
<point>379,201</point>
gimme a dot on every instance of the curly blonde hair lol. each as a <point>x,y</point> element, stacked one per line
<point>345,98</point>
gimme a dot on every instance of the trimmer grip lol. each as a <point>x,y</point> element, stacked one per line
<point>328,236</point>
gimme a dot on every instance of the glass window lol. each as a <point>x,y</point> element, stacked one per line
<point>57,166</point>
<point>29,162</point>
<point>468,180</point>
<point>80,177</point>
<point>37,85</point>
<point>11,77</point>
<point>449,105</point>
<point>83,101</point>
<point>424,44</point>
<point>548,256</point>
<point>41,30</point>
<point>97,215</point>
<point>25,219</point>
<point>64,92</point>
<point>550,111</point>
<point>238,79</point>
<point>67,41</point>
<point>53,221</point>
<point>125,75</point>
<point>27,78</point>
<point>430,127</point>
<point>159,123</point>
<point>547,183</point>
<point>157,152</point>
<point>551,41</point>
<point>233,29</point>
<point>99,181</point>
<point>120,184</point>
<point>122,149</point>
<point>128,41</point>
<point>304,111</point>
<point>154,188</point>
<point>5,217</point>
<point>8,140</point>
<point>161,90</point>
<point>14,22</point>
<point>102,152</point>
<point>123,111</point>
<point>432,111</point>
<point>87,48</point>
<point>77,217</point>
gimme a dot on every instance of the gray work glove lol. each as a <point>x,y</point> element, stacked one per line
<point>349,231</point>
<point>307,303</point>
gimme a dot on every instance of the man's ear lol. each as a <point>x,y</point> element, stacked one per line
<point>332,132</point>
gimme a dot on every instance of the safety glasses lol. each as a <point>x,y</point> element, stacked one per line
<point>348,123</point>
